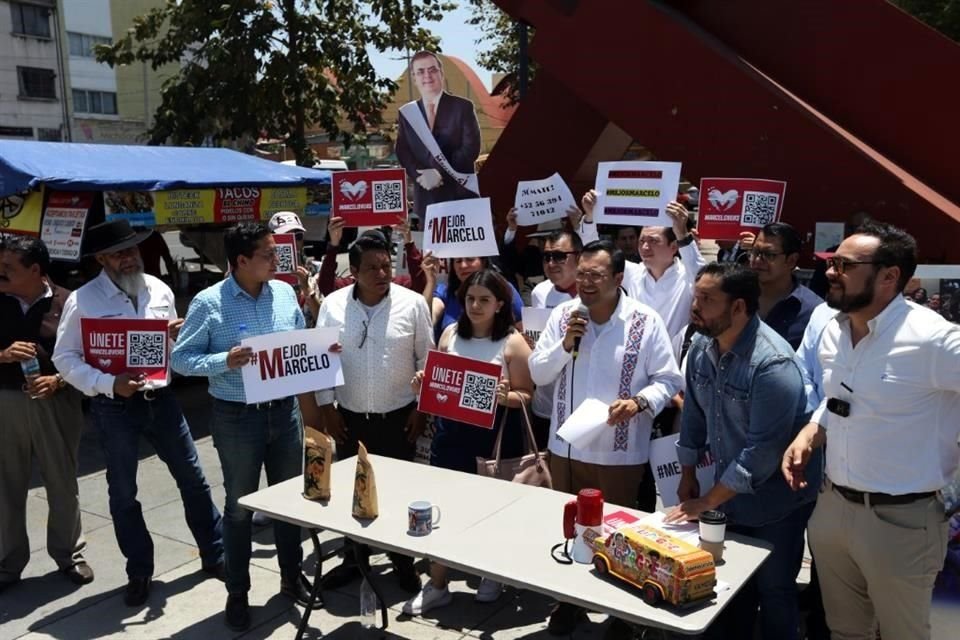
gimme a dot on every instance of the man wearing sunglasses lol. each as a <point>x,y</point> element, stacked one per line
<point>386,331</point>
<point>890,414</point>
<point>785,304</point>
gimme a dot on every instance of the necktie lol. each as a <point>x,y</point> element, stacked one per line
<point>431,114</point>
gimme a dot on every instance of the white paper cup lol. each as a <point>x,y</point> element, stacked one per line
<point>713,526</point>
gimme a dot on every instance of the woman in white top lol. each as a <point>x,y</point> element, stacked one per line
<point>484,331</point>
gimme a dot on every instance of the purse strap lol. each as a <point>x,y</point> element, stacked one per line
<point>530,442</point>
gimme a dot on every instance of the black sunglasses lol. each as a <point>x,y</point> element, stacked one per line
<point>557,256</point>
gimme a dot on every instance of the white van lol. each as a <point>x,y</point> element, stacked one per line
<point>328,165</point>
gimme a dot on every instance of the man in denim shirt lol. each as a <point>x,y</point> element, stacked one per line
<point>745,400</point>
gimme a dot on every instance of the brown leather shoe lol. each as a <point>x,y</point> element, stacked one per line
<point>80,573</point>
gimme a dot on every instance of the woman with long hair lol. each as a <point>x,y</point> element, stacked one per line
<point>484,331</point>
<point>446,305</point>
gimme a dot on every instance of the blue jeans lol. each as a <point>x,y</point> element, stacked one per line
<point>121,422</point>
<point>773,587</point>
<point>248,439</point>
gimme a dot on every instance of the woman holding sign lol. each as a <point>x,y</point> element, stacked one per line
<point>484,331</point>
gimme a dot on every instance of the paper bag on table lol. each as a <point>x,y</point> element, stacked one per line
<point>364,487</point>
<point>317,458</point>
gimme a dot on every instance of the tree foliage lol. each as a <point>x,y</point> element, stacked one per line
<point>500,42</point>
<point>273,67</point>
<point>942,15</point>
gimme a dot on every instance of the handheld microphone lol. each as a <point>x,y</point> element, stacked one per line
<point>582,312</point>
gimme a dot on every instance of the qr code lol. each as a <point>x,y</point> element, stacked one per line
<point>285,262</point>
<point>146,349</point>
<point>759,208</point>
<point>388,196</point>
<point>479,392</point>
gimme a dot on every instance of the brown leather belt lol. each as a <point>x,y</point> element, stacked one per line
<point>881,498</point>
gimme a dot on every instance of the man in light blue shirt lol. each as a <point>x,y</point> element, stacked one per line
<point>247,436</point>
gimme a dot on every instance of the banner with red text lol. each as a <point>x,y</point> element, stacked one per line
<point>370,198</point>
<point>63,220</point>
<point>729,206</point>
<point>636,193</point>
<point>460,388</point>
<point>460,229</point>
<point>291,362</point>
<point>127,345</point>
<point>288,258</point>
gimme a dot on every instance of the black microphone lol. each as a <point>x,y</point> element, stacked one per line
<point>584,313</point>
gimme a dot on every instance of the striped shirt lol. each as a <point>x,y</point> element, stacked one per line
<point>212,327</point>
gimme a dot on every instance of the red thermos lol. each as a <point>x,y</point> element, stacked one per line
<point>580,515</point>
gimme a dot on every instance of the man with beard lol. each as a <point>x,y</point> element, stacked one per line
<point>125,406</point>
<point>745,399</point>
<point>617,352</point>
<point>891,381</point>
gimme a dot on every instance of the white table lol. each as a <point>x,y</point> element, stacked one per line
<point>495,529</point>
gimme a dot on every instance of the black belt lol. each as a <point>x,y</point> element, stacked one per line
<point>881,498</point>
<point>369,415</point>
<point>149,395</point>
<point>258,406</point>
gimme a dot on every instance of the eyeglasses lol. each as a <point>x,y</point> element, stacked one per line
<point>592,276</point>
<point>363,339</point>
<point>557,256</point>
<point>425,71</point>
<point>266,255</point>
<point>839,265</point>
<point>766,256</point>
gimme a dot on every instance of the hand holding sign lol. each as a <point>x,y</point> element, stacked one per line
<point>460,229</point>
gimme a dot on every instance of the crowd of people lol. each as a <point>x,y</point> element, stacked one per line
<point>736,356</point>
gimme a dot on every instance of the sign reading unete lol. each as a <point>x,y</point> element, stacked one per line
<point>460,389</point>
<point>729,206</point>
<point>370,198</point>
<point>126,345</point>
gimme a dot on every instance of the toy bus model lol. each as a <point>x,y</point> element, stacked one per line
<point>664,568</point>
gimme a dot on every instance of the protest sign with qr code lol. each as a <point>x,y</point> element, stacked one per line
<point>127,345</point>
<point>460,389</point>
<point>370,198</point>
<point>729,206</point>
<point>287,261</point>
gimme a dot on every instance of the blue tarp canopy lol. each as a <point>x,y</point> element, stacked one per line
<point>64,166</point>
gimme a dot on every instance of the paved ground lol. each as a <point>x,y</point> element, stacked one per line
<point>186,604</point>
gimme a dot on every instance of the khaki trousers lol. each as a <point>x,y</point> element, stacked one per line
<point>50,430</point>
<point>618,483</point>
<point>877,564</point>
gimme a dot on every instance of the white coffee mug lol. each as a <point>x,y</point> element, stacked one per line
<point>420,518</point>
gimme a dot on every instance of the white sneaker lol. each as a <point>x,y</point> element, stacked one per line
<point>429,598</point>
<point>488,591</point>
<point>261,519</point>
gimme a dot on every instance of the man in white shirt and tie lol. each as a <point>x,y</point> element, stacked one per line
<point>891,416</point>
<point>445,122</point>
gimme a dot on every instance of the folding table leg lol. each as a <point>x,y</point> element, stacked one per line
<point>364,567</point>
<point>315,589</point>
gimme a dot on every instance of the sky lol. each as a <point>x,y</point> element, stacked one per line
<point>457,38</point>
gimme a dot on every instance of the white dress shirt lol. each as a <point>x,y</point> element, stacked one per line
<point>399,333</point>
<point>902,381</point>
<point>101,298</point>
<point>630,354</point>
<point>545,296</point>
<point>672,295</point>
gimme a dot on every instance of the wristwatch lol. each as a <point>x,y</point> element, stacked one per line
<point>61,383</point>
<point>686,240</point>
<point>642,404</point>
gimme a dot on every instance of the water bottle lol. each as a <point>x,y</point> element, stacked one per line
<point>950,495</point>
<point>242,333</point>
<point>368,606</point>
<point>31,369</point>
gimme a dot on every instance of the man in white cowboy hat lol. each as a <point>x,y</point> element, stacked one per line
<point>124,406</point>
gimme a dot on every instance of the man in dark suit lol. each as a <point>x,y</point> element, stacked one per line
<point>453,124</point>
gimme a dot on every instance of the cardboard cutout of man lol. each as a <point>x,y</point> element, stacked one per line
<point>439,138</point>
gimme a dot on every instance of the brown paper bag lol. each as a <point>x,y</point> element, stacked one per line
<point>317,458</point>
<point>365,503</point>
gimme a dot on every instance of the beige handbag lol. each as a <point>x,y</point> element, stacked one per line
<point>531,468</point>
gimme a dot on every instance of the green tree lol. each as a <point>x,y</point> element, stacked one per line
<point>252,67</point>
<point>942,15</point>
<point>500,40</point>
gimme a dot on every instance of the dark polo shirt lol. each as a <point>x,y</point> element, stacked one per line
<point>38,325</point>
